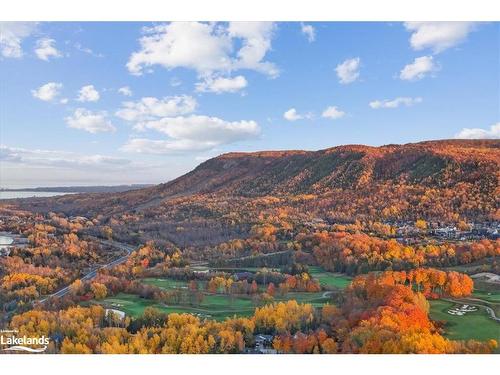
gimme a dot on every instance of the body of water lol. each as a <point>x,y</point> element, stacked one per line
<point>28,194</point>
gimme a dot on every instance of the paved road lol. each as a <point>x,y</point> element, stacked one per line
<point>122,246</point>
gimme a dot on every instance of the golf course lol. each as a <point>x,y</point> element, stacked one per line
<point>473,325</point>
<point>220,306</point>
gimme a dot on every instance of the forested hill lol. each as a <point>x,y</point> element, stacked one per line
<point>434,164</point>
<point>446,177</point>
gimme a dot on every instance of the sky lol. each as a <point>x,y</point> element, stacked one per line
<point>120,103</point>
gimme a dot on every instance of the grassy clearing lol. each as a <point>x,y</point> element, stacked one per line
<point>243,269</point>
<point>214,306</point>
<point>165,283</point>
<point>477,266</point>
<point>474,325</point>
<point>219,306</point>
<point>329,279</point>
<point>493,297</point>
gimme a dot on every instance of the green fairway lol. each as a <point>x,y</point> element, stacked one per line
<point>130,304</point>
<point>315,299</point>
<point>165,283</point>
<point>214,306</point>
<point>473,325</point>
<point>492,296</point>
<point>329,279</point>
<point>243,269</point>
<point>471,268</point>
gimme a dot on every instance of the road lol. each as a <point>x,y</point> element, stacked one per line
<point>89,276</point>
<point>128,248</point>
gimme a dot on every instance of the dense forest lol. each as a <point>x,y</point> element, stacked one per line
<point>260,229</point>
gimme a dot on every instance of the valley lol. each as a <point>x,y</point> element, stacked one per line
<point>352,249</point>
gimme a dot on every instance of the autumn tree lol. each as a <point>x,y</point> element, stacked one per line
<point>99,290</point>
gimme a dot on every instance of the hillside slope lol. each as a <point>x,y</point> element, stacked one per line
<point>463,176</point>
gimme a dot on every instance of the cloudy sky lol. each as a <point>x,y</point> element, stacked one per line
<point>111,103</point>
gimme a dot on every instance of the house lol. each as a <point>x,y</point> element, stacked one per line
<point>4,251</point>
<point>115,313</point>
<point>446,232</point>
<point>264,344</point>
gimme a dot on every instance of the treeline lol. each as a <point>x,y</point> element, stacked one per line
<point>55,254</point>
<point>432,283</point>
<point>381,314</point>
<point>360,253</point>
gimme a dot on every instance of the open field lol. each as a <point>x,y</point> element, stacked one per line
<point>474,325</point>
<point>242,269</point>
<point>216,306</point>
<point>329,279</point>
<point>493,297</point>
<point>482,265</point>
<point>315,299</point>
<point>165,283</point>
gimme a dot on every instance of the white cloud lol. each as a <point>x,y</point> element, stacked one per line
<point>150,146</point>
<point>395,103</point>
<point>175,82</point>
<point>45,49</point>
<point>64,101</point>
<point>125,91</point>
<point>54,158</point>
<point>34,167</point>
<point>92,122</point>
<point>292,115</point>
<point>438,36</point>
<point>192,133</point>
<point>202,158</point>
<point>88,94</point>
<point>205,128</point>
<point>12,35</point>
<point>81,48</point>
<point>222,84</point>
<point>172,45</point>
<point>309,32</point>
<point>333,113</point>
<point>418,69</point>
<point>477,133</point>
<point>205,47</point>
<point>47,92</point>
<point>255,38</point>
<point>348,71</point>
<point>149,108</point>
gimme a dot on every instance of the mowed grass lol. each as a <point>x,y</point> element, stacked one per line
<point>165,283</point>
<point>243,269</point>
<point>492,296</point>
<point>213,306</point>
<point>329,279</point>
<point>473,325</point>
<point>216,307</point>
<point>316,299</point>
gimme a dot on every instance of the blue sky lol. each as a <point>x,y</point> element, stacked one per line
<point>110,103</point>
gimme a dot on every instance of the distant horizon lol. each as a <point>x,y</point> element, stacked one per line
<point>20,188</point>
<point>87,183</point>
